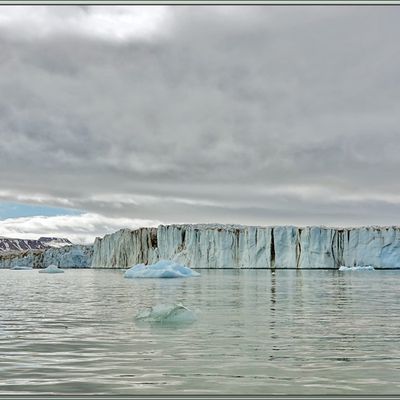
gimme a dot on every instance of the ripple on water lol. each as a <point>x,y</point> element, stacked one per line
<point>295,332</point>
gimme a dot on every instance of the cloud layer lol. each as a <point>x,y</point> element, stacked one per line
<point>253,115</point>
<point>78,228</point>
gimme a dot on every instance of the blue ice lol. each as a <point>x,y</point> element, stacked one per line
<point>161,269</point>
<point>51,269</point>
<point>357,268</point>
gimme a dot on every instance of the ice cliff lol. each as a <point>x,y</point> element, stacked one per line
<point>75,256</point>
<point>232,246</point>
<point>225,246</point>
<point>27,258</point>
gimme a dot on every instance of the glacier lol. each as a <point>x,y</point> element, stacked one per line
<point>161,269</point>
<point>75,256</point>
<point>226,246</point>
<point>69,256</point>
<point>238,246</point>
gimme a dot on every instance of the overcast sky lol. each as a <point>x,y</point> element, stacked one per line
<point>117,117</point>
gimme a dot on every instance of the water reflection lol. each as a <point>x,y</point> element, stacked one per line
<point>257,332</point>
<point>272,320</point>
<point>299,290</point>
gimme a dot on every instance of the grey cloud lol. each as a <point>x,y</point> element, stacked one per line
<point>79,228</point>
<point>231,116</point>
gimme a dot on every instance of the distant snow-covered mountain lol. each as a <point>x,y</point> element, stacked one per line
<point>54,241</point>
<point>12,244</point>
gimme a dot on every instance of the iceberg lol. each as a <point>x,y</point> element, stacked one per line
<point>21,268</point>
<point>161,269</point>
<point>167,314</point>
<point>51,269</point>
<point>357,268</point>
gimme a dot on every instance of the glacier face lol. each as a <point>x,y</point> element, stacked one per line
<point>226,246</point>
<point>126,248</point>
<point>73,256</point>
<point>236,246</point>
<point>28,258</point>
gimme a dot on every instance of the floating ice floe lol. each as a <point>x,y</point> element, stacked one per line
<point>21,268</point>
<point>357,268</point>
<point>51,269</point>
<point>167,314</point>
<point>161,269</point>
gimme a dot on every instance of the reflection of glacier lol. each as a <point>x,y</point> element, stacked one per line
<point>231,246</point>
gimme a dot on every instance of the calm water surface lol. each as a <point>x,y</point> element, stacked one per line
<point>295,332</point>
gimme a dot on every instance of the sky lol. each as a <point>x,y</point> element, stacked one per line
<point>129,116</point>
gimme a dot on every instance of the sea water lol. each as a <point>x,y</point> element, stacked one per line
<point>292,332</point>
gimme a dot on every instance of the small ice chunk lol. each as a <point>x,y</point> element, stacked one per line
<point>161,269</point>
<point>51,269</point>
<point>21,268</point>
<point>167,314</point>
<point>357,268</point>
